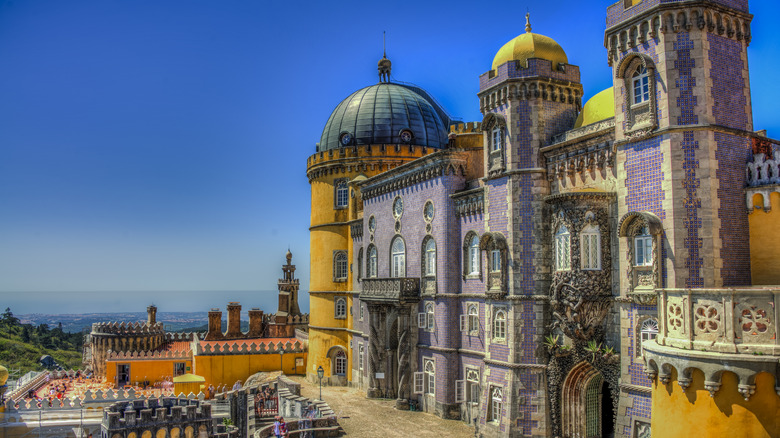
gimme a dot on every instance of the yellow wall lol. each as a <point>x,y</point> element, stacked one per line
<point>693,413</point>
<point>140,370</point>
<point>764,233</point>
<point>225,370</point>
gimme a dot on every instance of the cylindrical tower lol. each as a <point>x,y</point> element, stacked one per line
<point>373,130</point>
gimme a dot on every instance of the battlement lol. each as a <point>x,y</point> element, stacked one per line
<point>291,319</point>
<point>618,12</point>
<point>537,68</point>
<point>180,337</point>
<point>149,355</point>
<point>258,346</point>
<point>378,151</point>
<point>127,328</point>
<point>167,411</point>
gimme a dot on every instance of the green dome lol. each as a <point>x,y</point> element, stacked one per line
<point>379,113</point>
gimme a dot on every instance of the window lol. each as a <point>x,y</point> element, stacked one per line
<point>430,377</point>
<point>340,363</point>
<point>496,404</point>
<point>641,85</point>
<point>495,260</point>
<point>473,256</point>
<point>590,248</point>
<point>429,316</point>
<point>562,249</point>
<point>398,256</point>
<point>499,325</point>
<point>179,368</point>
<point>472,386</point>
<point>341,308</point>
<point>342,194</point>
<point>473,318</point>
<point>430,258</point>
<point>648,332</point>
<point>360,264</point>
<point>340,266</point>
<point>371,268</point>
<point>498,138</point>
<point>361,353</point>
<point>361,311</point>
<point>643,248</point>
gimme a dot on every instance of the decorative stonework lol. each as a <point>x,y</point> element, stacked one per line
<point>391,289</point>
<point>469,202</point>
<point>596,157</point>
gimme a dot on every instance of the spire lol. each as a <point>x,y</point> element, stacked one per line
<point>528,22</point>
<point>384,64</point>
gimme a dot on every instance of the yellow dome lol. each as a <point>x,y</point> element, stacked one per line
<point>3,375</point>
<point>530,45</point>
<point>597,108</point>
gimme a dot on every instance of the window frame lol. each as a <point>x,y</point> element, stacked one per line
<point>590,235</point>
<point>361,356</point>
<point>640,76</point>
<point>429,368</point>
<point>340,263</point>
<point>473,318</point>
<point>495,260</point>
<point>496,404</point>
<point>499,334</point>
<point>429,257</point>
<point>340,308</point>
<point>497,138</point>
<point>341,190</point>
<point>562,247</point>
<point>472,256</point>
<point>646,246</point>
<point>647,330</point>
<point>372,263</point>
<point>340,361</point>
<point>430,317</point>
<point>397,258</point>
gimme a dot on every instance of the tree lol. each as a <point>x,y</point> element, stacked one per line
<point>8,318</point>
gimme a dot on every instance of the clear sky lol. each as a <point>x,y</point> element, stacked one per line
<point>151,145</point>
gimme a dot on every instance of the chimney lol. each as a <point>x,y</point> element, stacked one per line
<point>234,321</point>
<point>151,315</point>
<point>215,326</point>
<point>255,323</point>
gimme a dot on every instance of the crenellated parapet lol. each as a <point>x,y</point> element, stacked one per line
<point>362,158</point>
<point>127,328</point>
<point>220,348</point>
<point>291,319</point>
<point>174,416</point>
<point>181,337</point>
<point>149,355</point>
<point>716,330</point>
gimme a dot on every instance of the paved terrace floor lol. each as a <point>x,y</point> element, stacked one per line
<point>364,417</point>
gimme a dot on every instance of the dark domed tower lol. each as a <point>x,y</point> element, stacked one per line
<point>374,129</point>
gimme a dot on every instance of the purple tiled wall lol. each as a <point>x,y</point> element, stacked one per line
<point>728,84</point>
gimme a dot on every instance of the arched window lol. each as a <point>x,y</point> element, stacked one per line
<point>647,332</point>
<point>430,377</point>
<point>430,258</point>
<point>360,265</point>
<point>643,248</point>
<point>340,266</point>
<point>429,316</point>
<point>473,257</point>
<point>371,268</point>
<point>641,85</point>
<point>562,249</point>
<point>342,194</point>
<point>340,363</point>
<point>495,260</point>
<point>499,325</point>
<point>398,257</point>
<point>473,318</point>
<point>496,403</point>
<point>590,248</point>
<point>341,308</point>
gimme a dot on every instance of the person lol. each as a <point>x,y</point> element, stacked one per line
<point>237,385</point>
<point>280,427</point>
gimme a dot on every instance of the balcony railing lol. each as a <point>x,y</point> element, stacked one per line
<point>391,290</point>
<point>720,320</point>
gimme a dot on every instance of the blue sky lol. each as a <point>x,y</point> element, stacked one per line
<point>161,145</point>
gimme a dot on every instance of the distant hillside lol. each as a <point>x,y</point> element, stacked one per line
<point>76,323</point>
<point>22,345</point>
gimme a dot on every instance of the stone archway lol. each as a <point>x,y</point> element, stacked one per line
<point>586,404</point>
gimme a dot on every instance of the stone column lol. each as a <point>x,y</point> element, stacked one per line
<point>373,351</point>
<point>402,402</point>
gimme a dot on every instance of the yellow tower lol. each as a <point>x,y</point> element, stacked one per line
<point>374,129</point>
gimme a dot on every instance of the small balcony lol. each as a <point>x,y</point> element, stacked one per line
<point>742,321</point>
<point>391,290</point>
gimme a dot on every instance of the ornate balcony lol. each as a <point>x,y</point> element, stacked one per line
<point>391,290</point>
<point>720,320</point>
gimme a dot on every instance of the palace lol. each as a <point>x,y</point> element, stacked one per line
<point>559,269</point>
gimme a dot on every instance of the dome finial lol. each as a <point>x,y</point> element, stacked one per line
<point>384,65</point>
<point>528,22</point>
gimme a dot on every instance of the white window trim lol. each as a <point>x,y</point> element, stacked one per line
<point>647,250</point>
<point>342,188</point>
<point>340,275</point>
<point>495,260</point>
<point>429,257</point>
<point>588,236</point>
<point>472,383</point>
<point>496,337</point>
<point>337,313</point>
<point>497,139</point>
<point>373,261</point>
<point>639,78</point>
<point>563,249</point>
<point>495,411</point>
<point>430,377</point>
<point>430,317</point>
<point>361,356</point>
<point>397,258</point>
<point>419,381</point>
<point>340,359</point>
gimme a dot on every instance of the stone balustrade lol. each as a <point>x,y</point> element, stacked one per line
<point>742,321</point>
<point>391,289</point>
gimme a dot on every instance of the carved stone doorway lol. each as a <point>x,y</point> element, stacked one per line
<point>586,404</point>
